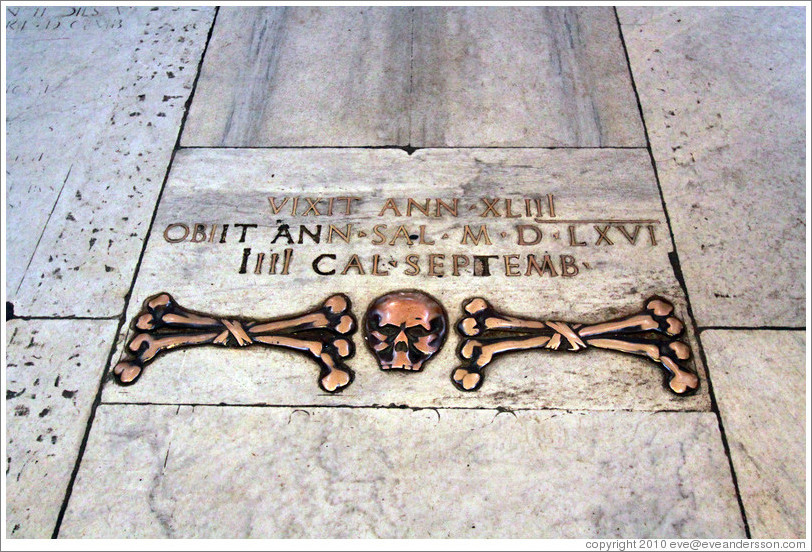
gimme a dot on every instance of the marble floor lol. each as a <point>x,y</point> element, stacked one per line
<point>215,171</point>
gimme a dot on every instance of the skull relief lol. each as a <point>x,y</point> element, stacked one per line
<point>404,329</point>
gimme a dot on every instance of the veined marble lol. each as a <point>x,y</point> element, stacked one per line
<point>425,77</point>
<point>306,77</point>
<point>521,76</point>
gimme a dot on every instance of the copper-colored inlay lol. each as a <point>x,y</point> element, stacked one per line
<point>652,333</point>
<point>323,333</point>
<point>404,329</point>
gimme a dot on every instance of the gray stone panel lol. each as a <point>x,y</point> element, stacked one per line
<point>168,471</point>
<point>95,100</point>
<point>760,385</point>
<point>53,372</point>
<point>722,92</point>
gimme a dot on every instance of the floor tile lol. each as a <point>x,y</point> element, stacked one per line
<point>53,372</point>
<point>95,100</point>
<point>310,77</point>
<point>759,383</point>
<point>722,92</point>
<point>527,76</point>
<point>168,471</point>
<point>233,187</point>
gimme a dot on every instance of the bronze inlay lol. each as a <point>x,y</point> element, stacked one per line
<point>323,334</point>
<point>404,329</point>
<point>652,333</point>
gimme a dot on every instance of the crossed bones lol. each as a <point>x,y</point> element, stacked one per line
<point>488,333</point>
<point>323,333</point>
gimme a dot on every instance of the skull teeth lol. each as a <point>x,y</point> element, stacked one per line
<point>410,367</point>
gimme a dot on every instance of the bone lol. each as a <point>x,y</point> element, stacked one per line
<point>481,354</point>
<point>332,315</point>
<point>679,381</point>
<point>147,346</point>
<point>315,320</point>
<point>162,310</point>
<point>470,377</point>
<point>488,326</point>
<point>657,318</point>
<point>323,333</point>
<point>484,317</point>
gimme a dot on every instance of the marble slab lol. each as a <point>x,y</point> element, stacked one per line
<point>215,275</point>
<point>521,76</point>
<point>306,77</point>
<point>424,77</point>
<point>53,370</point>
<point>95,97</point>
<point>160,471</point>
<point>760,385</point>
<point>722,92</point>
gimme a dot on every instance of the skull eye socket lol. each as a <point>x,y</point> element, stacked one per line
<point>416,332</point>
<point>389,330</point>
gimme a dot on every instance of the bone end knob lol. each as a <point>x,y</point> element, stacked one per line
<point>346,324</point>
<point>675,326</point>
<point>336,380</point>
<point>465,380</point>
<point>683,383</point>
<point>476,305</point>
<point>160,300</point>
<point>660,307</point>
<point>468,327</point>
<point>336,303</point>
<point>127,372</point>
<point>145,322</point>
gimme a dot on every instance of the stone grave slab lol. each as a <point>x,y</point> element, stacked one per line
<point>764,416</point>
<point>558,235</point>
<point>54,368</point>
<point>95,97</point>
<point>181,471</point>
<point>722,91</point>
<point>307,77</point>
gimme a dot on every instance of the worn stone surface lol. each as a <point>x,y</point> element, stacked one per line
<point>168,471</point>
<point>53,372</point>
<point>306,77</point>
<point>530,76</point>
<point>232,187</point>
<point>95,97</point>
<point>760,386</point>
<point>722,92</point>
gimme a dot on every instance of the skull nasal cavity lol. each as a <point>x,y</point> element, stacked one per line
<point>401,341</point>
